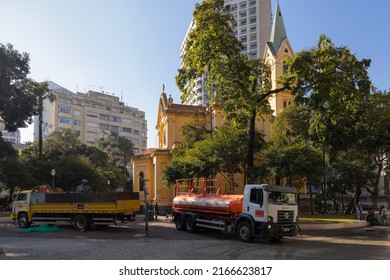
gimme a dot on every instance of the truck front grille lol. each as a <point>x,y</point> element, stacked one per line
<point>285,217</point>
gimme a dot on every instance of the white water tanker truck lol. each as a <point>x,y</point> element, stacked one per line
<point>263,211</point>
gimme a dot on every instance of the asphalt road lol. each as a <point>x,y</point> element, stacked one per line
<point>166,243</point>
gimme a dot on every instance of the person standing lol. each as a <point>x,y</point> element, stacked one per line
<point>155,208</point>
<point>383,214</point>
<point>359,210</point>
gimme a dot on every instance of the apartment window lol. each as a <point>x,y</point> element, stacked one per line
<point>136,141</point>
<point>92,115</point>
<point>64,109</point>
<point>115,119</point>
<point>77,133</point>
<point>252,20</point>
<point>104,126</point>
<point>136,132</point>
<point>76,123</point>
<point>252,29</point>
<point>127,129</point>
<point>104,117</point>
<point>65,120</point>
<point>243,23</point>
<point>242,14</point>
<point>243,31</point>
<point>92,124</point>
<point>91,134</point>
<point>243,6</point>
<point>115,128</point>
<point>126,120</point>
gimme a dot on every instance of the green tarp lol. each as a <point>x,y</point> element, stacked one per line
<point>41,228</point>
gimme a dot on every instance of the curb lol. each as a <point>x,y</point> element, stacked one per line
<point>333,226</point>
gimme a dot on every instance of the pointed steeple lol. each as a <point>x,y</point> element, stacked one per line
<point>278,33</point>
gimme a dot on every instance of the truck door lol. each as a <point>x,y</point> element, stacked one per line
<point>254,204</point>
<point>21,203</point>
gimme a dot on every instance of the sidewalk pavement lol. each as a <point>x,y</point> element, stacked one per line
<point>332,226</point>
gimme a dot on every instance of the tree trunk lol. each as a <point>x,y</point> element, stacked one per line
<point>40,124</point>
<point>251,148</point>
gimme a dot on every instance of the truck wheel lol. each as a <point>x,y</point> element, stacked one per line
<point>179,222</point>
<point>244,232</point>
<point>23,220</point>
<point>189,224</point>
<point>81,222</point>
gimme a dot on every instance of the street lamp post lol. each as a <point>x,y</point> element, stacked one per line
<point>53,174</point>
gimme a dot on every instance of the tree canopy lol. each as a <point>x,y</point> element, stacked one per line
<point>17,98</point>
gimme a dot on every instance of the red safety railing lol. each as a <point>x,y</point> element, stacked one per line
<point>198,186</point>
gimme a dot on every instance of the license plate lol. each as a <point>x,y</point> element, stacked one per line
<point>286,229</point>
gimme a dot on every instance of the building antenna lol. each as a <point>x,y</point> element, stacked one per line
<point>121,96</point>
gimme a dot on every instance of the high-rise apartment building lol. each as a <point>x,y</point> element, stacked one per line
<point>12,137</point>
<point>90,113</point>
<point>253,29</point>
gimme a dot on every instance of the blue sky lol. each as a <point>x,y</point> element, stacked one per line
<point>131,47</point>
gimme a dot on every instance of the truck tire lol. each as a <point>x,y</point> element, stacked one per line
<point>81,222</point>
<point>244,232</point>
<point>179,222</point>
<point>189,224</point>
<point>23,220</point>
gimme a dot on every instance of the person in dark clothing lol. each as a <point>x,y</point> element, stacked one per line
<point>155,208</point>
<point>370,218</point>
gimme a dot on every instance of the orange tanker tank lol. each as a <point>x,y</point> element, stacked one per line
<point>203,196</point>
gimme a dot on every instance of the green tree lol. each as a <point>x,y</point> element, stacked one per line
<point>240,85</point>
<point>17,99</point>
<point>291,153</point>
<point>335,86</point>
<point>222,152</point>
<point>70,170</point>
<point>119,149</point>
<point>60,144</point>
<point>377,138</point>
<point>10,169</point>
<point>59,148</point>
<point>41,92</point>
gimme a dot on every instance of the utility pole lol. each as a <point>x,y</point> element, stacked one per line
<point>142,181</point>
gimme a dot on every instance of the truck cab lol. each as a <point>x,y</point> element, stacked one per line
<point>268,211</point>
<point>21,210</point>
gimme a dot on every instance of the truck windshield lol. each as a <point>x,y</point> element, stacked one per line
<point>283,198</point>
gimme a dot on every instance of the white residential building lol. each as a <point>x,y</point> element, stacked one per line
<point>253,29</point>
<point>87,114</point>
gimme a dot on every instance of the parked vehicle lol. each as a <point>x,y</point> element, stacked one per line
<point>263,211</point>
<point>80,209</point>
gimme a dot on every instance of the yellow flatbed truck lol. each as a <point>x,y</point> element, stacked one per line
<point>80,209</point>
